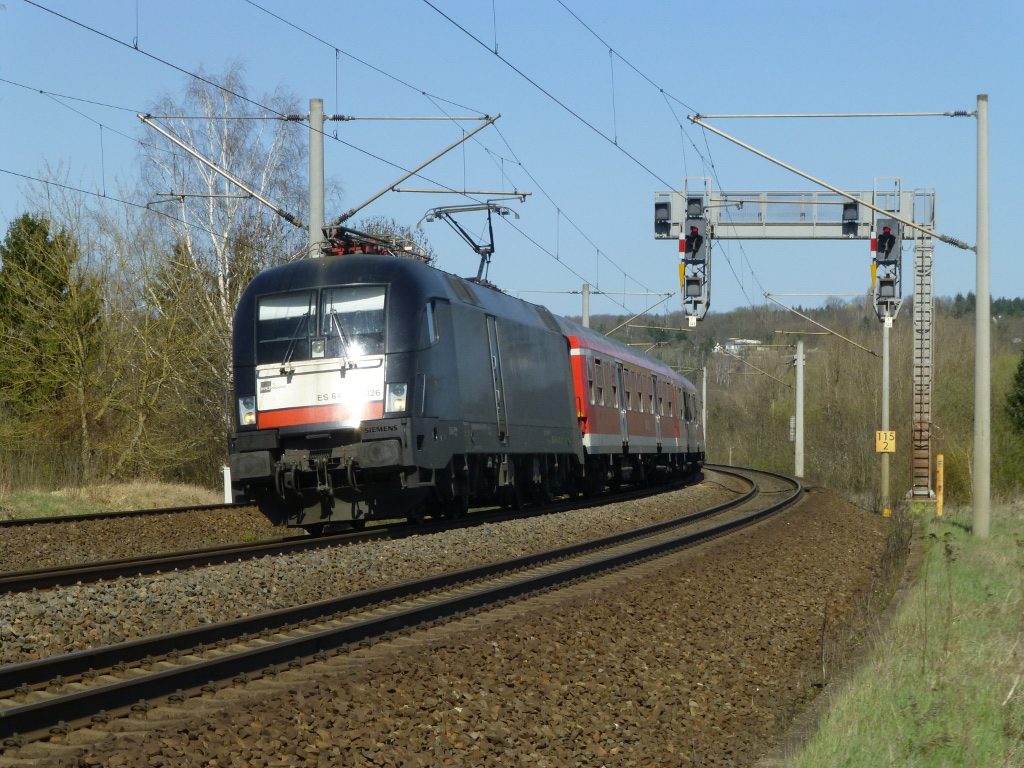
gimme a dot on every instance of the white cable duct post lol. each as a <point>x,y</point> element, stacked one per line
<point>229,496</point>
<point>147,119</point>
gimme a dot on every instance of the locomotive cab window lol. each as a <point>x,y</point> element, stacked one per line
<point>432,335</point>
<point>349,322</point>
<point>352,320</point>
<point>284,324</point>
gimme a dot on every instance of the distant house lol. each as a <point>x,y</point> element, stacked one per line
<point>739,346</point>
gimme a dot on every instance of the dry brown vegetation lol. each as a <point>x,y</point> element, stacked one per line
<point>750,401</point>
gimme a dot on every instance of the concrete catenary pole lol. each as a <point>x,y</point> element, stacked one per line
<point>982,333</point>
<point>798,463</point>
<point>885,410</point>
<point>316,176</point>
<point>586,305</point>
<point>704,403</point>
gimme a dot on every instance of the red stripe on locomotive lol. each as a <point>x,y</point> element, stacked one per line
<point>320,414</point>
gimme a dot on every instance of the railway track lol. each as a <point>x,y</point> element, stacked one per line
<point>142,565</point>
<point>20,522</point>
<point>50,696</point>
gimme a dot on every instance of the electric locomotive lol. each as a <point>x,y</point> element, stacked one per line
<point>372,386</point>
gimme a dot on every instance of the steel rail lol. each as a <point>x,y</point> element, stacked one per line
<point>145,565</point>
<point>20,521</point>
<point>40,717</point>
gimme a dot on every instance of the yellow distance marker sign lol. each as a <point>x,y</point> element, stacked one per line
<point>885,442</point>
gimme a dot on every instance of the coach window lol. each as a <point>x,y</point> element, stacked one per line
<point>599,373</point>
<point>590,378</point>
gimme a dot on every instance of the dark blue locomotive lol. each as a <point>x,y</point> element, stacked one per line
<point>372,386</point>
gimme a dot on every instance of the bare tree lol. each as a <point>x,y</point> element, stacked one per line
<point>225,236</point>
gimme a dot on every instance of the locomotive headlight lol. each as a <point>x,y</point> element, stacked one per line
<point>247,410</point>
<point>396,393</point>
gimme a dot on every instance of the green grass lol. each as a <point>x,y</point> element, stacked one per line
<point>945,685</point>
<point>110,497</point>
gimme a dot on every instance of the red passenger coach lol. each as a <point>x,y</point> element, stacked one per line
<point>632,405</point>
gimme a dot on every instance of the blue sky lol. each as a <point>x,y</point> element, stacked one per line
<point>590,215</point>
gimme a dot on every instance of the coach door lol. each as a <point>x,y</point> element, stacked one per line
<point>656,407</point>
<point>499,388</point>
<point>621,398</point>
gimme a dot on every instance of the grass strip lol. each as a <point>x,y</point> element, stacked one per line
<point>945,686</point>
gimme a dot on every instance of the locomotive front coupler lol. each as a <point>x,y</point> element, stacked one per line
<point>323,478</point>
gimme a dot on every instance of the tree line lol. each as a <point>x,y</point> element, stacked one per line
<point>115,320</point>
<point>751,399</point>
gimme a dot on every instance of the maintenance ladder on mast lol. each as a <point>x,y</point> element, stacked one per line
<point>921,429</point>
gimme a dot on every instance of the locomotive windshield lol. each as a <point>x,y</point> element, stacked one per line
<point>352,320</point>
<point>346,322</point>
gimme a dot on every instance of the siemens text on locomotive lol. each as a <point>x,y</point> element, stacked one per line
<point>372,386</point>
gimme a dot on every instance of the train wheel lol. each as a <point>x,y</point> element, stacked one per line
<point>417,514</point>
<point>572,488</point>
<point>511,497</point>
<point>457,508</point>
<point>542,495</point>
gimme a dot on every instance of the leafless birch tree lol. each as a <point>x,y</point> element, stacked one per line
<point>222,234</point>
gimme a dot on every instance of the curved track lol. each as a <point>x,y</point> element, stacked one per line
<point>85,573</point>
<point>39,698</point>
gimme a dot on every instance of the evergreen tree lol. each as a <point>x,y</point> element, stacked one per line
<point>1015,399</point>
<point>37,304</point>
<point>50,324</point>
